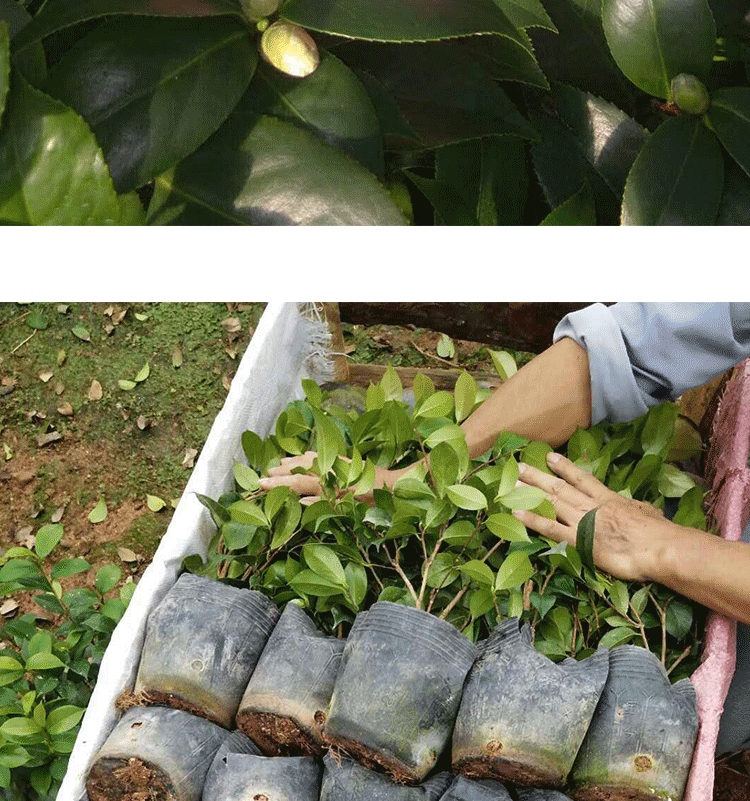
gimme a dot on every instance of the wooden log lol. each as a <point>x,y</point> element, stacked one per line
<point>519,326</point>
<point>365,374</point>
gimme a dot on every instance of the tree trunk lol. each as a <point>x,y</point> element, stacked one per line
<point>519,326</point>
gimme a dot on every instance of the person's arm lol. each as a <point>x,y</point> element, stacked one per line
<point>634,541</point>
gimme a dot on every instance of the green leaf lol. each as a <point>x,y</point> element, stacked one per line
<point>47,538</point>
<point>576,210</point>
<point>356,580</point>
<point>51,167</point>
<point>652,41</point>
<point>526,14</point>
<point>143,373</point>
<point>20,727</point>
<point>126,384</point>
<point>281,175</point>
<point>617,636</point>
<point>505,59</point>
<point>391,384</point>
<point>32,63</point>
<point>504,363</point>
<point>466,497</point>
<point>399,20</point>
<point>449,433</point>
<point>43,661</point>
<point>465,393</point>
<point>443,571</point>
<point>165,102</point>
<point>450,209</point>
<point>679,618</point>
<point>9,664</point>
<point>329,441</point>
<point>155,503</point>
<point>523,498</point>
<point>515,569</point>
<point>63,718</point>
<point>245,476</point>
<point>59,14</point>
<point>286,523</point>
<point>677,178</point>
<point>618,592</point>
<point>439,404</point>
<point>107,577</point>
<point>673,483</point>
<point>99,512</point>
<point>535,454</point>
<point>441,91</point>
<point>584,139</point>
<point>479,572</point>
<point>330,102</point>
<point>585,538</point>
<point>248,513</point>
<point>735,199</point>
<point>507,527</point>
<point>324,562</point>
<point>480,602</point>
<point>15,569</point>
<point>690,510</point>
<point>444,467</point>
<point>729,119</point>
<point>310,583</point>
<point>219,514</point>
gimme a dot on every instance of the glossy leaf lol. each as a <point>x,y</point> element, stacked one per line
<point>450,206</point>
<point>526,13</point>
<point>465,393</point>
<point>729,118</point>
<point>466,497</point>
<point>399,20</point>
<point>523,498</point>
<point>395,130</point>
<point>506,527</point>
<point>47,538</point>
<point>441,91</point>
<point>576,210</point>
<point>324,562</point>
<point>479,572</point>
<point>677,178</point>
<point>331,102</point>
<point>59,14</point>
<point>265,171</point>
<point>579,54</point>
<point>584,138</point>
<point>164,103</point>
<point>52,171</point>
<point>515,569</point>
<point>734,208</point>
<point>32,63</point>
<point>507,59</point>
<point>652,41</point>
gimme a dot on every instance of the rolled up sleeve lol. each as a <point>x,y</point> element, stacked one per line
<point>641,354</point>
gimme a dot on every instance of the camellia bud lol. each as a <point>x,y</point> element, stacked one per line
<point>255,10</point>
<point>689,94</point>
<point>290,49</point>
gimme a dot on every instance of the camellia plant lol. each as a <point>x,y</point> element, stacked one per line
<point>47,671</point>
<point>374,112</point>
<point>444,539</point>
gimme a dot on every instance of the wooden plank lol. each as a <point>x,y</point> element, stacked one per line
<point>365,374</point>
<point>330,312</point>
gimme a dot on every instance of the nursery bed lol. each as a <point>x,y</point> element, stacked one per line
<point>289,345</point>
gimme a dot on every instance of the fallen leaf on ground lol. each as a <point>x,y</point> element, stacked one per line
<point>59,387</point>
<point>81,332</point>
<point>232,325</point>
<point>8,451</point>
<point>35,510</point>
<point>45,375</point>
<point>118,315</point>
<point>177,357</point>
<point>95,391</point>
<point>61,356</point>
<point>231,352</point>
<point>24,537</point>
<point>127,555</point>
<point>65,409</point>
<point>125,384</point>
<point>155,503</point>
<point>47,439</point>
<point>8,608</point>
<point>141,316</point>
<point>108,328</point>
<point>99,512</point>
<point>62,308</point>
<point>189,460</point>
<point>56,516</point>
<point>226,382</point>
<point>143,373</point>
<point>143,422</point>
<point>8,381</point>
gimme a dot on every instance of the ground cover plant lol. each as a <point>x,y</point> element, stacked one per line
<point>509,112</point>
<point>445,540</point>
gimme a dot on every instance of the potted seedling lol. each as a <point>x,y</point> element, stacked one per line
<point>398,690</point>
<point>262,778</point>
<point>202,643</point>
<point>640,742</point>
<point>523,717</point>
<point>347,780</point>
<point>283,707</point>
<point>156,753</point>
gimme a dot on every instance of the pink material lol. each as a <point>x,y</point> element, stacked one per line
<point>727,471</point>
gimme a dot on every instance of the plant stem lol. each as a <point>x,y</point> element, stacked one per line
<point>409,586</point>
<point>460,594</point>
<point>679,659</point>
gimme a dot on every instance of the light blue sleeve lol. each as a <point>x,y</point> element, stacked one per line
<point>641,354</point>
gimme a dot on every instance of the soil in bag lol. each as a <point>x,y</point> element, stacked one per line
<point>523,717</point>
<point>398,689</point>
<point>538,794</point>
<point>259,778</point>
<point>202,643</point>
<point>347,780</point>
<point>283,707</point>
<point>155,754</point>
<point>640,743</point>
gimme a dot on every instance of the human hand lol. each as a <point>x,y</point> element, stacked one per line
<point>627,532</point>
<point>308,487</point>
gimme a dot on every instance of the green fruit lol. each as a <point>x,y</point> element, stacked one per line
<point>255,10</point>
<point>290,49</point>
<point>690,95</point>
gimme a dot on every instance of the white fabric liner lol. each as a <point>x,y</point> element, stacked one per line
<point>289,344</point>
